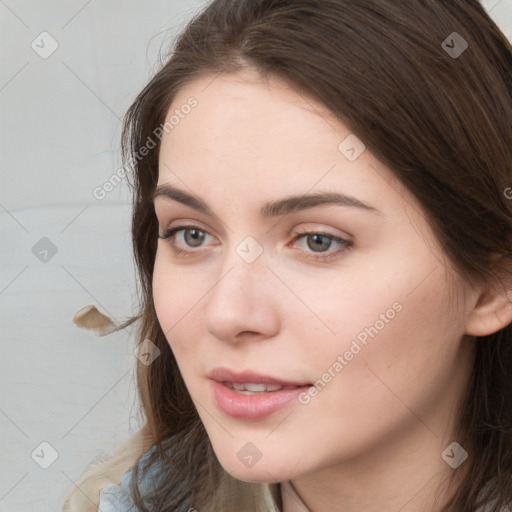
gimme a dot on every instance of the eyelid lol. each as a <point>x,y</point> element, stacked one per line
<point>323,230</point>
<point>185,223</point>
<point>168,212</point>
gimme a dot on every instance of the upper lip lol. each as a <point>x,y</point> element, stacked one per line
<point>248,377</point>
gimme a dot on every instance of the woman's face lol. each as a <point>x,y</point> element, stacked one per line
<point>354,307</point>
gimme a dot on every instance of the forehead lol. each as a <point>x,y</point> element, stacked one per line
<point>252,125</point>
<point>247,86</point>
<point>252,140</point>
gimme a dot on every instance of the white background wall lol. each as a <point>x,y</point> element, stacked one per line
<point>60,120</point>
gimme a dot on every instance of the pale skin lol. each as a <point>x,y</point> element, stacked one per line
<point>373,437</point>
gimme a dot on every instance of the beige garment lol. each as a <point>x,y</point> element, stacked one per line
<point>84,494</point>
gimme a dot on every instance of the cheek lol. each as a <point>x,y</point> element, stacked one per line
<point>398,354</point>
<point>177,300</point>
<point>395,301</point>
<point>342,304</point>
<point>391,318</point>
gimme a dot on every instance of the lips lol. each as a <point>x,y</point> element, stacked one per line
<point>252,396</point>
<point>249,377</point>
<point>252,389</point>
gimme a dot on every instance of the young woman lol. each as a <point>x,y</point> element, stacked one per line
<point>323,227</point>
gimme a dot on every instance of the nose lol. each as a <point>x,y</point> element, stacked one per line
<point>243,303</point>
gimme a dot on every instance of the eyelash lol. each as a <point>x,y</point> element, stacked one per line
<point>347,245</point>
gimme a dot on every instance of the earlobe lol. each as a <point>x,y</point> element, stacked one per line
<point>493,310</point>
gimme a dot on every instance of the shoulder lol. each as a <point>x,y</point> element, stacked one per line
<point>84,495</point>
<point>117,498</point>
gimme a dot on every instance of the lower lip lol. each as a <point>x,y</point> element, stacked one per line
<point>252,407</point>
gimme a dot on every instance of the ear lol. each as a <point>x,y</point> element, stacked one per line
<point>493,307</point>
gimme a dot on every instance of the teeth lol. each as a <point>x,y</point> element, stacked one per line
<point>250,388</point>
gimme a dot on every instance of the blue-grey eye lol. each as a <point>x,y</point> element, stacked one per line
<point>196,237</point>
<point>321,242</point>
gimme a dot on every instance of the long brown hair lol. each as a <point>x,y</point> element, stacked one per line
<point>441,121</point>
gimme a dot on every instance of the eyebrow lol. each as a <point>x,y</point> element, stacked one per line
<point>285,206</point>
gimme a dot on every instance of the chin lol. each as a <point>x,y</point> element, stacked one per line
<point>253,475</point>
<point>264,470</point>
